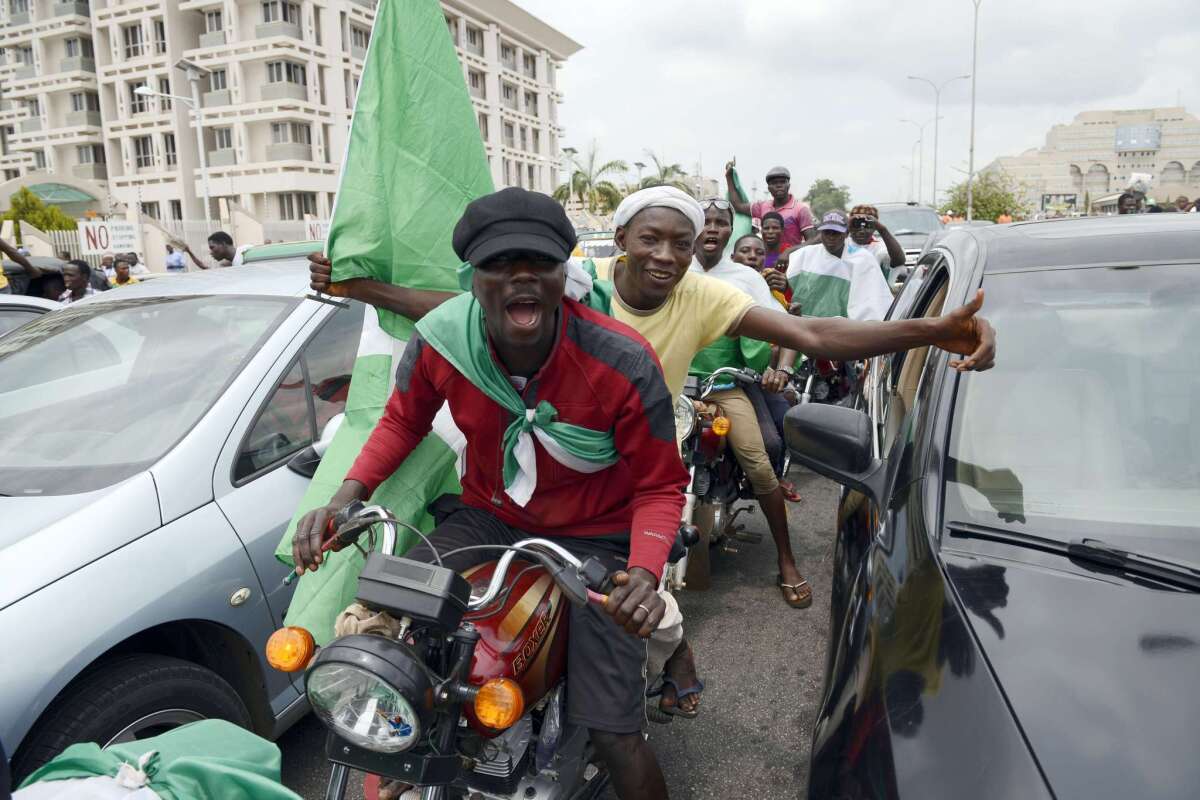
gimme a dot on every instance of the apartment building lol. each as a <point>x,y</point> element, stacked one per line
<point>275,80</point>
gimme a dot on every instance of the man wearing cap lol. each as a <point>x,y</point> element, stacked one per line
<point>557,402</point>
<point>836,280</point>
<point>797,217</point>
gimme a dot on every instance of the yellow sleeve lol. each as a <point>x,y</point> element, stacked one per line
<point>718,306</point>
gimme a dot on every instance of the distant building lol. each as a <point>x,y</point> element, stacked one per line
<point>277,90</point>
<point>1093,158</point>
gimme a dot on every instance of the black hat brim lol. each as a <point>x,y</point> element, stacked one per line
<point>518,242</point>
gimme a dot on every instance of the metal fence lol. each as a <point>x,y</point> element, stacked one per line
<point>67,247</point>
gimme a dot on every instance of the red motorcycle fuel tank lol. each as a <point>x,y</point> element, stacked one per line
<point>522,636</point>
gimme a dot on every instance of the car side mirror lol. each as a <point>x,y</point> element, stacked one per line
<point>307,460</point>
<point>835,441</point>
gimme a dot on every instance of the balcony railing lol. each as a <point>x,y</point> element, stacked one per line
<point>214,39</point>
<point>289,151</point>
<point>65,8</point>
<point>25,72</point>
<point>19,18</point>
<point>222,158</point>
<point>284,90</point>
<point>76,119</point>
<point>31,125</point>
<point>358,52</point>
<point>221,97</point>
<point>269,29</point>
<point>95,172</point>
<point>77,64</point>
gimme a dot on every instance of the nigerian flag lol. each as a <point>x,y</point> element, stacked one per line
<point>414,161</point>
<point>741,222</point>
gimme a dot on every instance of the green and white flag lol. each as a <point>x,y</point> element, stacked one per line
<point>742,224</point>
<point>414,161</point>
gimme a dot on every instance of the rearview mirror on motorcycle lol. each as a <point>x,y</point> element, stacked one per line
<point>835,441</point>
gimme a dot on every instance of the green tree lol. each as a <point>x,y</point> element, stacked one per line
<point>666,175</point>
<point>825,196</point>
<point>589,183</point>
<point>25,206</point>
<point>994,193</point>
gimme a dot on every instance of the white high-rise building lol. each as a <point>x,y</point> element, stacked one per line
<point>276,83</point>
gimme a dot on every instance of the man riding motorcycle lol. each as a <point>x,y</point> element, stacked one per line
<point>745,435</point>
<point>557,402</point>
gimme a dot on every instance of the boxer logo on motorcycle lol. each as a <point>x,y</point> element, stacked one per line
<point>557,402</point>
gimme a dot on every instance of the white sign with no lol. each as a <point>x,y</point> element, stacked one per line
<point>97,237</point>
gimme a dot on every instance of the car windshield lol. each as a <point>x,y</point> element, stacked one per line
<point>910,220</point>
<point>98,392</point>
<point>1088,426</point>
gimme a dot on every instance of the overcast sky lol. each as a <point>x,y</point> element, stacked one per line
<point>820,86</point>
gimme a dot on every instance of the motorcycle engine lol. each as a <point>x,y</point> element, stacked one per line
<point>504,760</point>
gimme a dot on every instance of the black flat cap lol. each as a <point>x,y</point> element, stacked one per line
<point>513,220</point>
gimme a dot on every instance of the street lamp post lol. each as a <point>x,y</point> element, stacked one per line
<point>193,103</point>
<point>640,166</point>
<point>971,151</point>
<point>919,146</point>
<point>937,102</point>
<point>909,170</point>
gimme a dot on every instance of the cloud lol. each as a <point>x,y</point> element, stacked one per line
<point>821,86</point>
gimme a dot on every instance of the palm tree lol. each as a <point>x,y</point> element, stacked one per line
<point>665,174</point>
<point>589,183</point>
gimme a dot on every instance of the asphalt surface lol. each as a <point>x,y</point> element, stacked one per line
<point>762,663</point>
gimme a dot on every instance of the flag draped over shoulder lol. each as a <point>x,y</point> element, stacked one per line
<point>414,161</point>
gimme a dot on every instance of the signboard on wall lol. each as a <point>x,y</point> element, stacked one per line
<point>99,236</point>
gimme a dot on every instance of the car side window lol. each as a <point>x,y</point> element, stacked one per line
<point>14,318</point>
<point>312,392</point>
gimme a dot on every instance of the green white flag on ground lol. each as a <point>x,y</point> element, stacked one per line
<point>414,161</point>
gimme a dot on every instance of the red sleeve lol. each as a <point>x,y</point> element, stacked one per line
<point>804,219</point>
<point>645,438</point>
<point>407,418</point>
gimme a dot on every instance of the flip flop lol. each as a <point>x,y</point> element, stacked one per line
<point>665,714</point>
<point>789,492</point>
<point>797,600</point>
<point>654,712</point>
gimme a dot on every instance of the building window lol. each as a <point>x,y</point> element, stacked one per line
<point>138,104</point>
<point>143,152</point>
<point>213,22</point>
<point>509,135</point>
<point>476,83</point>
<point>524,138</point>
<point>18,6</point>
<point>508,55</point>
<point>169,153</point>
<point>531,171</point>
<point>284,132</point>
<point>537,140</point>
<point>223,138</point>
<point>217,81</point>
<point>509,92</point>
<point>164,87</point>
<point>160,37</point>
<point>280,71</point>
<point>135,45</point>
<point>151,210</point>
<point>85,101</point>
<point>359,37</point>
<point>531,104</point>
<point>276,11</point>
<point>483,125</point>
<point>474,38</point>
<point>90,153</point>
<point>80,47</point>
<point>529,63</point>
<point>452,26</point>
<point>39,159</point>
<point>176,210</point>
<point>294,205</point>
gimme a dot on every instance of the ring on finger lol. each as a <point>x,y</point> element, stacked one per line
<point>643,608</point>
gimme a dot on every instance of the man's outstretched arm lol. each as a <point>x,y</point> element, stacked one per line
<point>960,331</point>
<point>410,303</point>
<point>15,256</point>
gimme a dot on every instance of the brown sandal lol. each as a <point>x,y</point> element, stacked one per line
<point>792,594</point>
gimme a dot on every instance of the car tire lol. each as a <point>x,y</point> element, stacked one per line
<point>134,695</point>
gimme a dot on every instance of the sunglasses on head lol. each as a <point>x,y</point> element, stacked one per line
<point>721,205</point>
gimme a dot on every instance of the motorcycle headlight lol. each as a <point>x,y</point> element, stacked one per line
<point>685,417</point>
<point>372,692</point>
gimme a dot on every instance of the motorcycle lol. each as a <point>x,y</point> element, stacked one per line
<point>825,381</point>
<point>717,483</point>
<point>456,699</point>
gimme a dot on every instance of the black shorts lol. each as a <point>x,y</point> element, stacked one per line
<point>606,666</point>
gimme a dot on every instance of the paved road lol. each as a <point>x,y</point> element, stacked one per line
<point>762,663</point>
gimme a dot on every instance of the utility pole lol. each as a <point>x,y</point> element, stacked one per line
<point>971,156</point>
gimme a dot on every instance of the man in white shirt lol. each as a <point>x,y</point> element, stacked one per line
<point>832,281</point>
<point>868,232</point>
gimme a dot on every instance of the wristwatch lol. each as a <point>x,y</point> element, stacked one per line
<point>790,370</point>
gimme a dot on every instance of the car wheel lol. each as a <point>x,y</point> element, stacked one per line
<point>125,699</point>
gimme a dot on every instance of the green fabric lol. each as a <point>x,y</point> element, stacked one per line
<point>742,223</point>
<point>456,330</point>
<point>414,161</point>
<point>206,760</point>
<point>731,352</point>
<point>821,295</point>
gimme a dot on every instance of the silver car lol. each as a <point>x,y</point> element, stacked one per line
<point>154,443</point>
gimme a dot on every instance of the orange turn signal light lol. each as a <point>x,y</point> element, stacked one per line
<point>290,649</point>
<point>499,704</point>
<point>721,425</point>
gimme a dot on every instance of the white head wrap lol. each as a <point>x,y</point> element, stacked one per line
<point>662,197</point>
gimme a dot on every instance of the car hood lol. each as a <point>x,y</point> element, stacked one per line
<point>44,538</point>
<point>1098,670</point>
<point>912,241</point>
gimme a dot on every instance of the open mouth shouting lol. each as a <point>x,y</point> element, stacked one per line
<point>524,312</point>
<point>710,243</point>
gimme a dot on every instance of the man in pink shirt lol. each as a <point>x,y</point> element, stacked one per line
<point>798,225</point>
